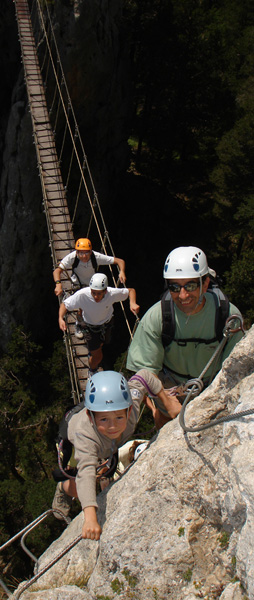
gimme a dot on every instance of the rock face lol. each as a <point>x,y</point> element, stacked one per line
<point>95,62</point>
<point>180,523</point>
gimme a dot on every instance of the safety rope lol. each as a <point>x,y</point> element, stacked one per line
<point>124,359</point>
<point>64,140</point>
<point>77,197</point>
<point>194,387</point>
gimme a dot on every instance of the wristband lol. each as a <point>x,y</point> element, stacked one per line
<point>58,281</point>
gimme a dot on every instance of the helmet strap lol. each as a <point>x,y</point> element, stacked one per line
<point>201,295</point>
<point>200,300</point>
<point>129,409</point>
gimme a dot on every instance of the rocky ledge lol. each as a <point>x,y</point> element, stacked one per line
<point>179,524</point>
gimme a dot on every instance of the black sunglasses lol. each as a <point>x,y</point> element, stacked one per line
<point>190,286</point>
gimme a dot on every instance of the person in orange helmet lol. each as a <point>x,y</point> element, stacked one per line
<point>83,263</point>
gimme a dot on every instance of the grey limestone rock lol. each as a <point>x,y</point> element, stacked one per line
<point>179,524</point>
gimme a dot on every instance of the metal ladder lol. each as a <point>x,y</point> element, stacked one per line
<point>23,534</point>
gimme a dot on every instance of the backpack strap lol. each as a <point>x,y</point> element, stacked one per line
<point>94,262</point>
<point>222,310</point>
<point>74,266</point>
<point>77,261</point>
<point>93,259</point>
<point>65,446</point>
<point>168,319</point>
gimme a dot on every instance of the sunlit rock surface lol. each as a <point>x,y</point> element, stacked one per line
<point>180,523</point>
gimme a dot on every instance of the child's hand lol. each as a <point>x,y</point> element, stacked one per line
<point>91,529</point>
<point>173,407</point>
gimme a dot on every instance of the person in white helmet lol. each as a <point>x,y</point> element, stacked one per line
<point>80,265</point>
<point>104,423</point>
<point>194,338</point>
<point>96,303</point>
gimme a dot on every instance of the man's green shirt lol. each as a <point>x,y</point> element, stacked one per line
<point>146,349</point>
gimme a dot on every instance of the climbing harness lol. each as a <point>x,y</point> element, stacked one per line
<point>106,468</point>
<point>194,387</point>
<point>104,330</point>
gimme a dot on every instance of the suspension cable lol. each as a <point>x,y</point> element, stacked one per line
<point>76,129</point>
<point>77,198</point>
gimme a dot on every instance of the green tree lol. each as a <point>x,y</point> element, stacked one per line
<point>239,284</point>
<point>34,392</point>
<point>193,119</point>
<point>234,184</point>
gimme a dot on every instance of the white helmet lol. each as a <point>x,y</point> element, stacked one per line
<point>99,281</point>
<point>186,262</point>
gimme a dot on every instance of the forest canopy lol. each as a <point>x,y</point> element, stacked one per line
<point>193,124</point>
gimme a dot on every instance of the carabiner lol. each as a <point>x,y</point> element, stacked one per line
<point>193,387</point>
<point>227,331</point>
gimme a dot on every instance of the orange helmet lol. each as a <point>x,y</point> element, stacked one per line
<point>83,244</point>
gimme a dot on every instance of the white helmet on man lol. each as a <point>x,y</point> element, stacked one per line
<point>185,262</point>
<point>98,281</point>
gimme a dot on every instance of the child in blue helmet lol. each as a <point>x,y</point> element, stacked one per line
<point>107,421</point>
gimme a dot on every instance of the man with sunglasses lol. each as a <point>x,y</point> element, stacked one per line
<point>195,339</point>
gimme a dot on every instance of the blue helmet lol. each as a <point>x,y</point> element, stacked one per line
<point>107,391</point>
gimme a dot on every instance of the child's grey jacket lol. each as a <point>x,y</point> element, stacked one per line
<point>90,445</point>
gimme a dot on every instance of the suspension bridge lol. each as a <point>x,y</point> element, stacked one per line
<point>50,104</point>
